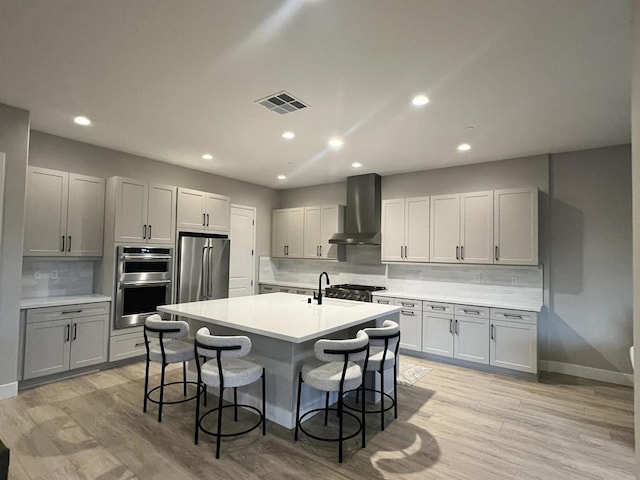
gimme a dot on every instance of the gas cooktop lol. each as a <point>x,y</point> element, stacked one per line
<point>350,291</point>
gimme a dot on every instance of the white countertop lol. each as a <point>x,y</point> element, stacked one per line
<point>59,301</point>
<point>496,299</point>
<point>284,316</point>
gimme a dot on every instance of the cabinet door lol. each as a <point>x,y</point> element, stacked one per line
<point>516,226</point>
<point>514,345</point>
<point>279,222</point>
<point>445,228</point>
<point>312,217</point>
<point>46,348</point>
<point>89,337</point>
<point>85,221</point>
<point>331,221</point>
<point>476,227</point>
<point>218,209</point>
<point>392,248</point>
<point>471,341</point>
<point>46,212</point>
<point>437,334</point>
<point>191,210</point>
<point>132,198</point>
<point>161,221</point>
<point>416,229</point>
<point>295,232</point>
<point>411,330</point>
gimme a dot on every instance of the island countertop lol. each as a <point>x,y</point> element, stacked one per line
<point>283,316</point>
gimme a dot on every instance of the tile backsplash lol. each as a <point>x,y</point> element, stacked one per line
<point>51,278</point>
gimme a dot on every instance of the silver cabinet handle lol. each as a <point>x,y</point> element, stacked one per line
<point>149,232</point>
<point>317,250</point>
<point>320,250</point>
<point>471,312</point>
<point>69,246</point>
<point>511,315</point>
<point>451,326</point>
<point>62,249</point>
<point>385,302</point>
<point>457,253</point>
<point>207,219</point>
<point>457,327</point>
<point>461,252</point>
<point>408,312</point>
<point>68,333</point>
<point>139,344</point>
<point>406,255</point>
<point>204,219</point>
<point>67,312</point>
<point>493,332</point>
<point>144,231</point>
<point>144,283</point>
<point>405,304</point>
<point>497,253</point>
<point>75,331</point>
<point>437,307</point>
<point>401,252</point>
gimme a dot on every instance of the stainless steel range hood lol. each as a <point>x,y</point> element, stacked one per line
<point>362,222</point>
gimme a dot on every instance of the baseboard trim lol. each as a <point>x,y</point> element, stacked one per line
<point>609,376</point>
<point>8,390</point>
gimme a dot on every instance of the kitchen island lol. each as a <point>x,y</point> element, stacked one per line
<point>283,328</point>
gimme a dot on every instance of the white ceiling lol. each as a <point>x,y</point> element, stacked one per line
<point>172,80</point>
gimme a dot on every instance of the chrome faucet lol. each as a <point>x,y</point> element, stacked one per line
<point>319,296</point>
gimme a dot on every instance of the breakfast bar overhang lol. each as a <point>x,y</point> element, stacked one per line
<point>283,329</point>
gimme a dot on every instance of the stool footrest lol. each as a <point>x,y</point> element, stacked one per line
<point>387,408</point>
<point>327,439</point>
<point>173,402</point>
<point>235,434</point>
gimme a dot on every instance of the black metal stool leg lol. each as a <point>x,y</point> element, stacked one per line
<point>164,366</point>
<point>235,403</point>
<point>264,406</point>
<point>295,437</point>
<point>363,416</point>
<point>218,437</point>
<point>326,408</point>
<point>341,419</point>
<point>197,431</point>
<point>146,386</point>
<point>184,378</point>
<point>382,399</point>
<point>395,391</point>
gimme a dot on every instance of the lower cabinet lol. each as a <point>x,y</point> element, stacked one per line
<point>265,288</point>
<point>410,324</point>
<point>58,339</point>
<point>514,342</point>
<point>127,343</point>
<point>471,340</point>
<point>437,334</point>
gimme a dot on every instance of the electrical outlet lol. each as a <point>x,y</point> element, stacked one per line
<point>420,275</point>
<point>514,280</point>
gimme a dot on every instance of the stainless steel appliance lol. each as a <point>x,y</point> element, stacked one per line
<point>347,291</point>
<point>203,267</point>
<point>143,281</point>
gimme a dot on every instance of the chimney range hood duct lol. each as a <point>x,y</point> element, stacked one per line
<point>362,222</point>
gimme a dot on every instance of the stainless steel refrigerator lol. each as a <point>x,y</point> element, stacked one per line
<point>203,267</point>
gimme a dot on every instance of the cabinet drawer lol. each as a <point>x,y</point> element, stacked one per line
<point>408,303</point>
<point>267,289</point>
<point>47,314</point>
<point>127,346</point>
<point>471,311</point>
<point>521,316</point>
<point>302,291</point>
<point>383,300</point>
<point>436,307</point>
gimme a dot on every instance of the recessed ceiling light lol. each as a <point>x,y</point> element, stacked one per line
<point>336,143</point>
<point>420,100</point>
<point>282,177</point>
<point>356,165</point>
<point>81,120</point>
<point>207,156</point>
<point>463,147</point>
<point>288,135</point>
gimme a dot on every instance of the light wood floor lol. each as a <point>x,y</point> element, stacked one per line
<point>454,423</point>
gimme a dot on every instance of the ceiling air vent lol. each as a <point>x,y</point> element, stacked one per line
<point>282,103</point>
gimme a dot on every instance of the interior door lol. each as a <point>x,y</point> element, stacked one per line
<point>241,263</point>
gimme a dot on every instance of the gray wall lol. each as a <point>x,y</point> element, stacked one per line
<point>590,321</point>
<point>59,153</point>
<point>14,141</point>
<point>635,142</point>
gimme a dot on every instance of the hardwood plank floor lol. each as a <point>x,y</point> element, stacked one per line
<point>454,423</point>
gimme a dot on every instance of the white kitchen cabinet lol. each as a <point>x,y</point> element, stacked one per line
<point>144,212</point>
<point>128,343</point>
<point>405,230</point>
<point>410,323</point>
<point>437,334</point>
<point>287,236</point>
<point>471,340</point>
<point>320,223</point>
<point>58,339</point>
<point>203,212</point>
<point>514,340</point>
<point>516,226</point>
<point>64,214</point>
<point>462,228</point>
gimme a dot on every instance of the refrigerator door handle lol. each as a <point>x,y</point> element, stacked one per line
<point>204,273</point>
<point>210,261</point>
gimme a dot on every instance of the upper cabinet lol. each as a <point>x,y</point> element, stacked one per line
<point>516,226</point>
<point>64,214</point>
<point>203,212</point>
<point>287,233</point>
<point>144,212</point>
<point>320,223</point>
<point>405,230</point>
<point>462,228</point>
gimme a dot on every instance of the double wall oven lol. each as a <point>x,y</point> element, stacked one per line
<point>143,281</point>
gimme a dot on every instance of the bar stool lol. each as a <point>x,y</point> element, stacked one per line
<point>226,369</point>
<point>384,343</point>
<point>337,369</point>
<point>170,349</point>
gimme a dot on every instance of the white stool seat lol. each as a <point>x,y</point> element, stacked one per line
<point>375,359</point>
<point>326,376</point>
<point>175,351</point>
<point>236,372</point>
